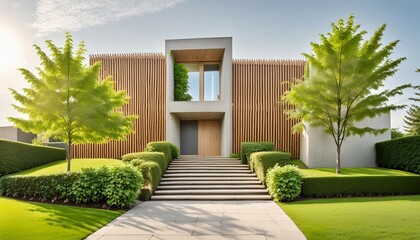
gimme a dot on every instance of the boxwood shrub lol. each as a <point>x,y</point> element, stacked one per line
<point>16,156</point>
<point>152,175</point>
<point>250,147</point>
<point>164,147</point>
<point>284,183</point>
<point>260,162</point>
<point>360,186</point>
<point>156,157</point>
<point>401,153</point>
<point>118,187</point>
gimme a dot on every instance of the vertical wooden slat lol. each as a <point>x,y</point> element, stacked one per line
<point>143,77</point>
<point>257,115</point>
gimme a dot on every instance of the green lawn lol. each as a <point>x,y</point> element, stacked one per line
<point>31,220</point>
<point>357,218</point>
<point>76,165</point>
<point>351,172</point>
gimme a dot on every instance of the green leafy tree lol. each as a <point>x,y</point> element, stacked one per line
<point>341,83</point>
<point>66,102</point>
<point>181,83</point>
<point>396,133</point>
<point>412,118</point>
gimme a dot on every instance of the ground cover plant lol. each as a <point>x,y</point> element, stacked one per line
<point>357,218</point>
<point>32,220</point>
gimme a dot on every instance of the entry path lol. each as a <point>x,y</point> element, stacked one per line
<point>207,220</point>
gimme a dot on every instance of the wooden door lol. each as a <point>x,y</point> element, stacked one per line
<point>209,138</point>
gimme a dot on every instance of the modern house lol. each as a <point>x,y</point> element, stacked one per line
<point>233,101</point>
<point>16,134</point>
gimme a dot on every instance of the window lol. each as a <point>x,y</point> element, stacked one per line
<point>204,81</point>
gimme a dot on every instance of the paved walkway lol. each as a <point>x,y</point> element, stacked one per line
<point>188,220</point>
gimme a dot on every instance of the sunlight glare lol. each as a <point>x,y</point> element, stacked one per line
<point>9,50</point>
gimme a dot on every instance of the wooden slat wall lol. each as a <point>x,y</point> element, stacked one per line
<point>143,77</point>
<point>257,115</point>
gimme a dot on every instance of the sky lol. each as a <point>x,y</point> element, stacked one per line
<point>260,30</point>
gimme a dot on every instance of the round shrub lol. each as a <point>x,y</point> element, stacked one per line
<point>123,186</point>
<point>174,151</point>
<point>89,186</point>
<point>284,183</point>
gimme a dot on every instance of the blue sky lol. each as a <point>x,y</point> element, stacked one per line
<point>260,29</point>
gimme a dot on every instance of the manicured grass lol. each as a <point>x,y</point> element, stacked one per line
<point>351,172</point>
<point>31,220</point>
<point>298,163</point>
<point>76,165</point>
<point>357,218</point>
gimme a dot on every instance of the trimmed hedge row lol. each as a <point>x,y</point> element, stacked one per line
<point>118,187</point>
<point>153,163</point>
<point>16,156</point>
<point>401,153</point>
<point>360,186</point>
<point>260,162</point>
<point>250,147</point>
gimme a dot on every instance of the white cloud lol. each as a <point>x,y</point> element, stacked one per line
<point>72,15</point>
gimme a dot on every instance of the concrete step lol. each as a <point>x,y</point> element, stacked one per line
<point>205,162</point>
<point>211,192</point>
<point>208,171</point>
<point>208,179</point>
<point>189,167</point>
<point>207,165</point>
<point>211,197</point>
<point>212,186</point>
<point>200,175</point>
<point>169,182</point>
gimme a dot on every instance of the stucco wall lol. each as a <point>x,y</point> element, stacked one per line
<point>318,149</point>
<point>9,133</point>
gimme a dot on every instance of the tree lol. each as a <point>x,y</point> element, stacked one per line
<point>396,133</point>
<point>181,83</point>
<point>66,102</point>
<point>341,83</point>
<point>412,118</point>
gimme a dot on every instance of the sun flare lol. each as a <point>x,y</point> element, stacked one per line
<point>9,50</point>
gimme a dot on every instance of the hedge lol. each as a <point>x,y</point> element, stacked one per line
<point>360,186</point>
<point>156,157</point>
<point>260,162</point>
<point>152,175</point>
<point>250,147</point>
<point>16,156</point>
<point>401,153</point>
<point>118,187</point>
<point>163,147</point>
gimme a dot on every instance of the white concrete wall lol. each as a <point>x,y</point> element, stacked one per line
<point>9,133</point>
<point>318,149</point>
<point>225,103</point>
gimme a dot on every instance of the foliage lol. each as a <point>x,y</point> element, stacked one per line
<point>396,133</point>
<point>412,118</point>
<point>66,102</point>
<point>284,183</point>
<point>341,83</point>
<point>181,83</point>
<point>163,147</point>
<point>260,162</point>
<point>174,151</point>
<point>360,186</point>
<point>393,218</point>
<point>123,186</point>
<point>402,153</point>
<point>40,221</point>
<point>156,157</point>
<point>151,173</point>
<point>234,155</point>
<point>250,147</point>
<point>16,156</point>
<point>117,187</point>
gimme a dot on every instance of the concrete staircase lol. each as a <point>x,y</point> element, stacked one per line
<point>194,178</point>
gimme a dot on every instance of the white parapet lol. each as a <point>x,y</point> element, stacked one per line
<point>318,149</point>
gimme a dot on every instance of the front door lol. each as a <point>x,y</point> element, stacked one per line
<point>189,137</point>
<point>209,138</point>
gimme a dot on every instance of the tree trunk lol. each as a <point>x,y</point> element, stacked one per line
<point>337,161</point>
<point>68,155</point>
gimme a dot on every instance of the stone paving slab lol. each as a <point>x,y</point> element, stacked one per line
<point>201,220</point>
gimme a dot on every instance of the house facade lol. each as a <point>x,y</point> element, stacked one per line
<point>233,101</point>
